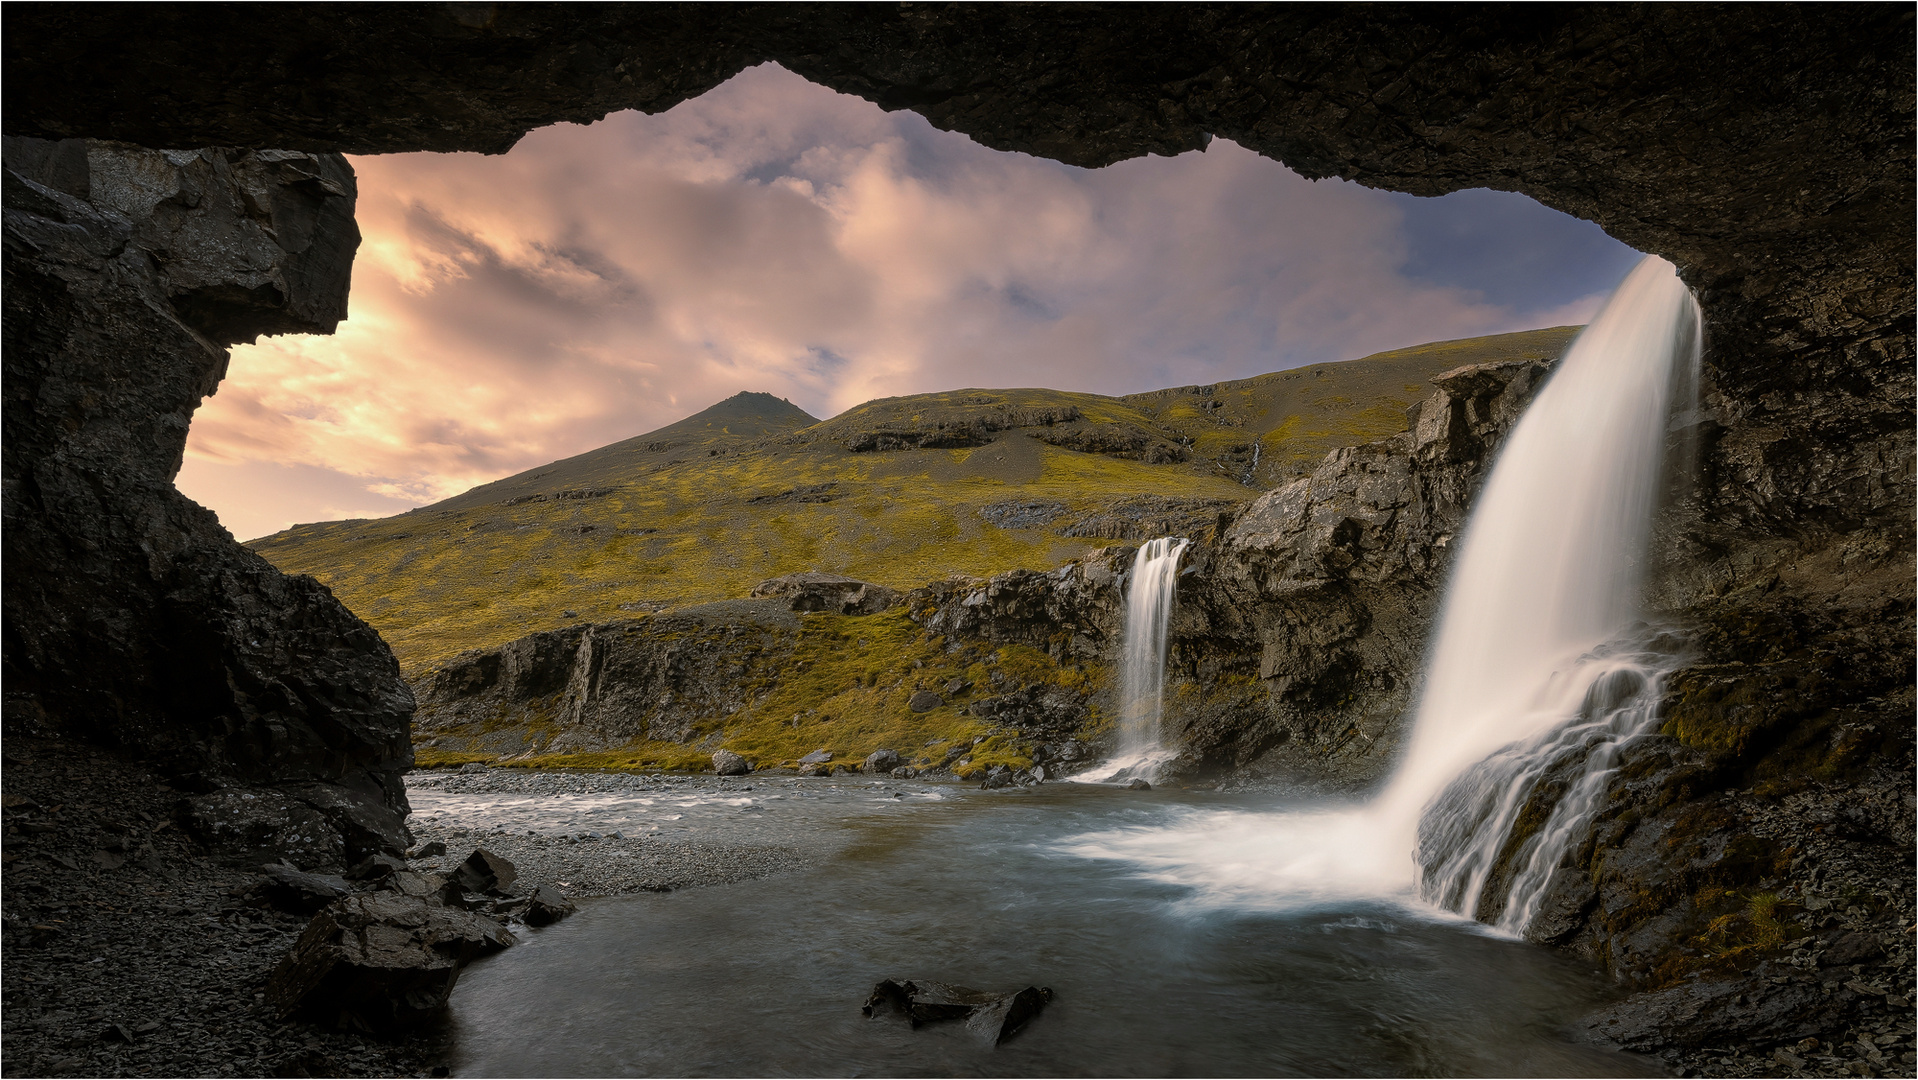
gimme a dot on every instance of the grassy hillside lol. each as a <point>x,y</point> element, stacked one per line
<point>899,491</point>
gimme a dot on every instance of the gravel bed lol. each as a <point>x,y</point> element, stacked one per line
<point>140,961</point>
<point>610,866</point>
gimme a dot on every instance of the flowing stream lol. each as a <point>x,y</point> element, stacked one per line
<point>1150,592</point>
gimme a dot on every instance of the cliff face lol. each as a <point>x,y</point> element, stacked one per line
<point>132,617</point>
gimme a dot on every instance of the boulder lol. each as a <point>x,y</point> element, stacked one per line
<point>485,872</point>
<point>993,1016</point>
<point>828,592</point>
<point>548,906</point>
<point>880,762</point>
<point>904,772</point>
<point>924,701</point>
<point>997,777</point>
<point>727,763</point>
<point>957,687</point>
<point>817,757</point>
<point>288,889</point>
<point>429,849</point>
<point>380,962</point>
<point>1138,783</point>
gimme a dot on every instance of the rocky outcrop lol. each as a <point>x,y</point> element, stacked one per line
<point>1302,618</point>
<point>131,617</point>
<point>813,591</point>
<point>608,684</point>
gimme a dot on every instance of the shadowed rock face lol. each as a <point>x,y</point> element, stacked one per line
<point>132,617</point>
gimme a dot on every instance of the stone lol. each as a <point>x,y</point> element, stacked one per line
<point>880,762</point>
<point>380,962</point>
<point>997,777</point>
<point>547,906</point>
<point>376,868</point>
<point>727,763</point>
<point>1138,783</point>
<point>1852,948</point>
<point>904,772</point>
<point>924,701</point>
<point>429,850</point>
<point>957,687</point>
<point>485,872</point>
<point>817,757</point>
<point>472,767</point>
<point>994,1017</point>
<point>1038,773</point>
<point>828,592</point>
<point>292,890</point>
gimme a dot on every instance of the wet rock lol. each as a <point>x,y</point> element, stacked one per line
<point>997,777</point>
<point>1718,1011</point>
<point>727,763</point>
<point>547,906</point>
<point>485,872</point>
<point>993,1016</point>
<point>904,772</point>
<point>289,889</point>
<point>828,592</point>
<point>1138,783</point>
<point>880,762</point>
<point>380,962</point>
<point>924,701</point>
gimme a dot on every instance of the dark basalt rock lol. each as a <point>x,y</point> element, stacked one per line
<point>485,872</point>
<point>288,889</point>
<point>132,618</point>
<point>994,1017</point>
<point>547,906</point>
<point>880,763</point>
<point>380,962</point>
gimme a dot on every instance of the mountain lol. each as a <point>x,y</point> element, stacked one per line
<point>899,491</point>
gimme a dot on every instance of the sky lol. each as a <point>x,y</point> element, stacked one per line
<point>604,280</point>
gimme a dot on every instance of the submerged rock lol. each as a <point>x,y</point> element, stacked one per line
<point>994,1017</point>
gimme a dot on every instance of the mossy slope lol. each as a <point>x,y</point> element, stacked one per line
<point>709,507</point>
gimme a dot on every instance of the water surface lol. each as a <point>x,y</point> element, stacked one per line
<point>994,890</point>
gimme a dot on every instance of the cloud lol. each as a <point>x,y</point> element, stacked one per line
<point>605,280</point>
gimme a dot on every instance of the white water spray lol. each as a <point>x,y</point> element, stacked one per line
<point>1538,673</point>
<point>1148,611</point>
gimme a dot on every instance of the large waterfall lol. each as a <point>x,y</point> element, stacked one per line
<point>1539,669</point>
<point>1148,610</point>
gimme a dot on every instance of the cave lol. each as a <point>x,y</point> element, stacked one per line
<point>1766,151</point>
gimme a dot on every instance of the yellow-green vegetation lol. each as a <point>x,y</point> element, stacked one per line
<point>753,488</point>
<point>845,689</point>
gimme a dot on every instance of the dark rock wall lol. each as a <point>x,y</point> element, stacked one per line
<point>131,617</point>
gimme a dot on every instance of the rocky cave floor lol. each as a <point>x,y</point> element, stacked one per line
<point>127,951</point>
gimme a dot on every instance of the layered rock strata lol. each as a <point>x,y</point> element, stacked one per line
<point>131,617</point>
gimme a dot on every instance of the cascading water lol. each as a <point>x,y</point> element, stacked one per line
<point>1539,671</point>
<point>1537,667</point>
<point>1154,581</point>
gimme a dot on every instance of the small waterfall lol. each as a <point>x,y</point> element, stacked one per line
<point>1150,590</point>
<point>1538,671</point>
